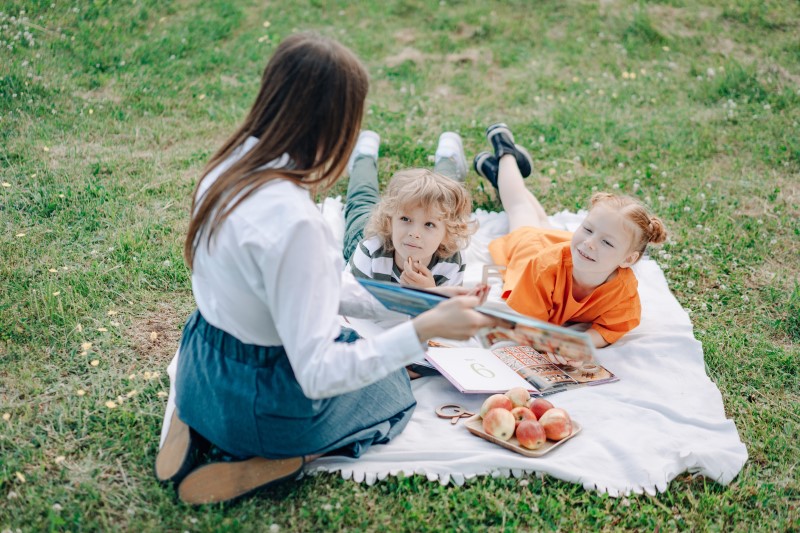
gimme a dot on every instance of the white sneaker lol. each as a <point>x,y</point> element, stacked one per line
<point>367,145</point>
<point>450,147</point>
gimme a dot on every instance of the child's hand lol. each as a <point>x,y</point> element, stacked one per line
<point>415,274</point>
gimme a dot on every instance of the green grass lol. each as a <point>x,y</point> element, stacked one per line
<point>108,111</point>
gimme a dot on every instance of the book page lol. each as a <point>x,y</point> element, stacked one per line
<point>475,370</point>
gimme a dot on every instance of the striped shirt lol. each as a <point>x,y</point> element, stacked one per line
<point>371,260</point>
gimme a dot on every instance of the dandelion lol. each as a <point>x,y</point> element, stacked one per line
<point>91,111</point>
<point>46,148</point>
<point>266,24</point>
<point>94,362</point>
<point>6,416</point>
<point>111,404</point>
<point>80,392</point>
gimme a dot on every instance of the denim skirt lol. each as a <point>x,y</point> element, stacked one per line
<point>245,400</point>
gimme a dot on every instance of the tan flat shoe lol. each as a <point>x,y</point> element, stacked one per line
<point>178,455</point>
<point>226,481</point>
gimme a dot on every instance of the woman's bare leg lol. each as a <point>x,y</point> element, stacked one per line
<point>521,206</point>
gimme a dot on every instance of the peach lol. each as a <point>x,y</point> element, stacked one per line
<point>499,423</point>
<point>496,400</point>
<point>539,406</point>
<point>556,423</point>
<point>519,396</point>
<point>531,434</point>
<point>522,413</point>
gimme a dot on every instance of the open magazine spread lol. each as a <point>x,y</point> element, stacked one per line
<point>524,354</point>
<point>498,369</point>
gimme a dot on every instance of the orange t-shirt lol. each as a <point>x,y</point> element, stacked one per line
<point>538,283</point>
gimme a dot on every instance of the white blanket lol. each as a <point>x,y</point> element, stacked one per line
<point>664,417</point>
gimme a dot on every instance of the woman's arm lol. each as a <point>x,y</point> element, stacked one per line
<point>303,292</point>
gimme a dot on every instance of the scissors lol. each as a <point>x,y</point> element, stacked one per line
<point>453,411</point>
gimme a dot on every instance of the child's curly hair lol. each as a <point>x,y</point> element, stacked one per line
<point>419,187</point>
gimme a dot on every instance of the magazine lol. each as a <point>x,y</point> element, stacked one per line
<point>498,369</point>
<point>528,352</point>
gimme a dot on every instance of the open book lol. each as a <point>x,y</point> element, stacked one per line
<point>528,353</point>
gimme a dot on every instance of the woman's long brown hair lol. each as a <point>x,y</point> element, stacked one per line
<point>309,106</point>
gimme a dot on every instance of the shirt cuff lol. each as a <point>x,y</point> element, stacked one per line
<point>402,342</point>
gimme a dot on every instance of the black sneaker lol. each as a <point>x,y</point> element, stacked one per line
<point>487,167</point>
<point>502,140</point>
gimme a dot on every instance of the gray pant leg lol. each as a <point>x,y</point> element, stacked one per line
<point>446,167</point>
<point>362,195</point>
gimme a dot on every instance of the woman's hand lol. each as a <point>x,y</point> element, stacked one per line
<point>415,274</point>
<point>454,318</point>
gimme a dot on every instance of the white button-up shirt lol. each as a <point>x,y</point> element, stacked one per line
<point>274,276</point>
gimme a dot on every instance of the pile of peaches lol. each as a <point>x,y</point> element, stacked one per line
<point>531,420</point>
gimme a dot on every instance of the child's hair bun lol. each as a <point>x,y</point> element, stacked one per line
<point>658,232</point>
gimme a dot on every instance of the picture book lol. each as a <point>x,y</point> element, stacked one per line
<point>522,330</point>
<point>527,352</point>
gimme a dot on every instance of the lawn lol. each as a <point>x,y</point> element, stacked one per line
<point>109,110</point>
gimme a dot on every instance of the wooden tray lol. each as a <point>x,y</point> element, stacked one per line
<point>475,426</point>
